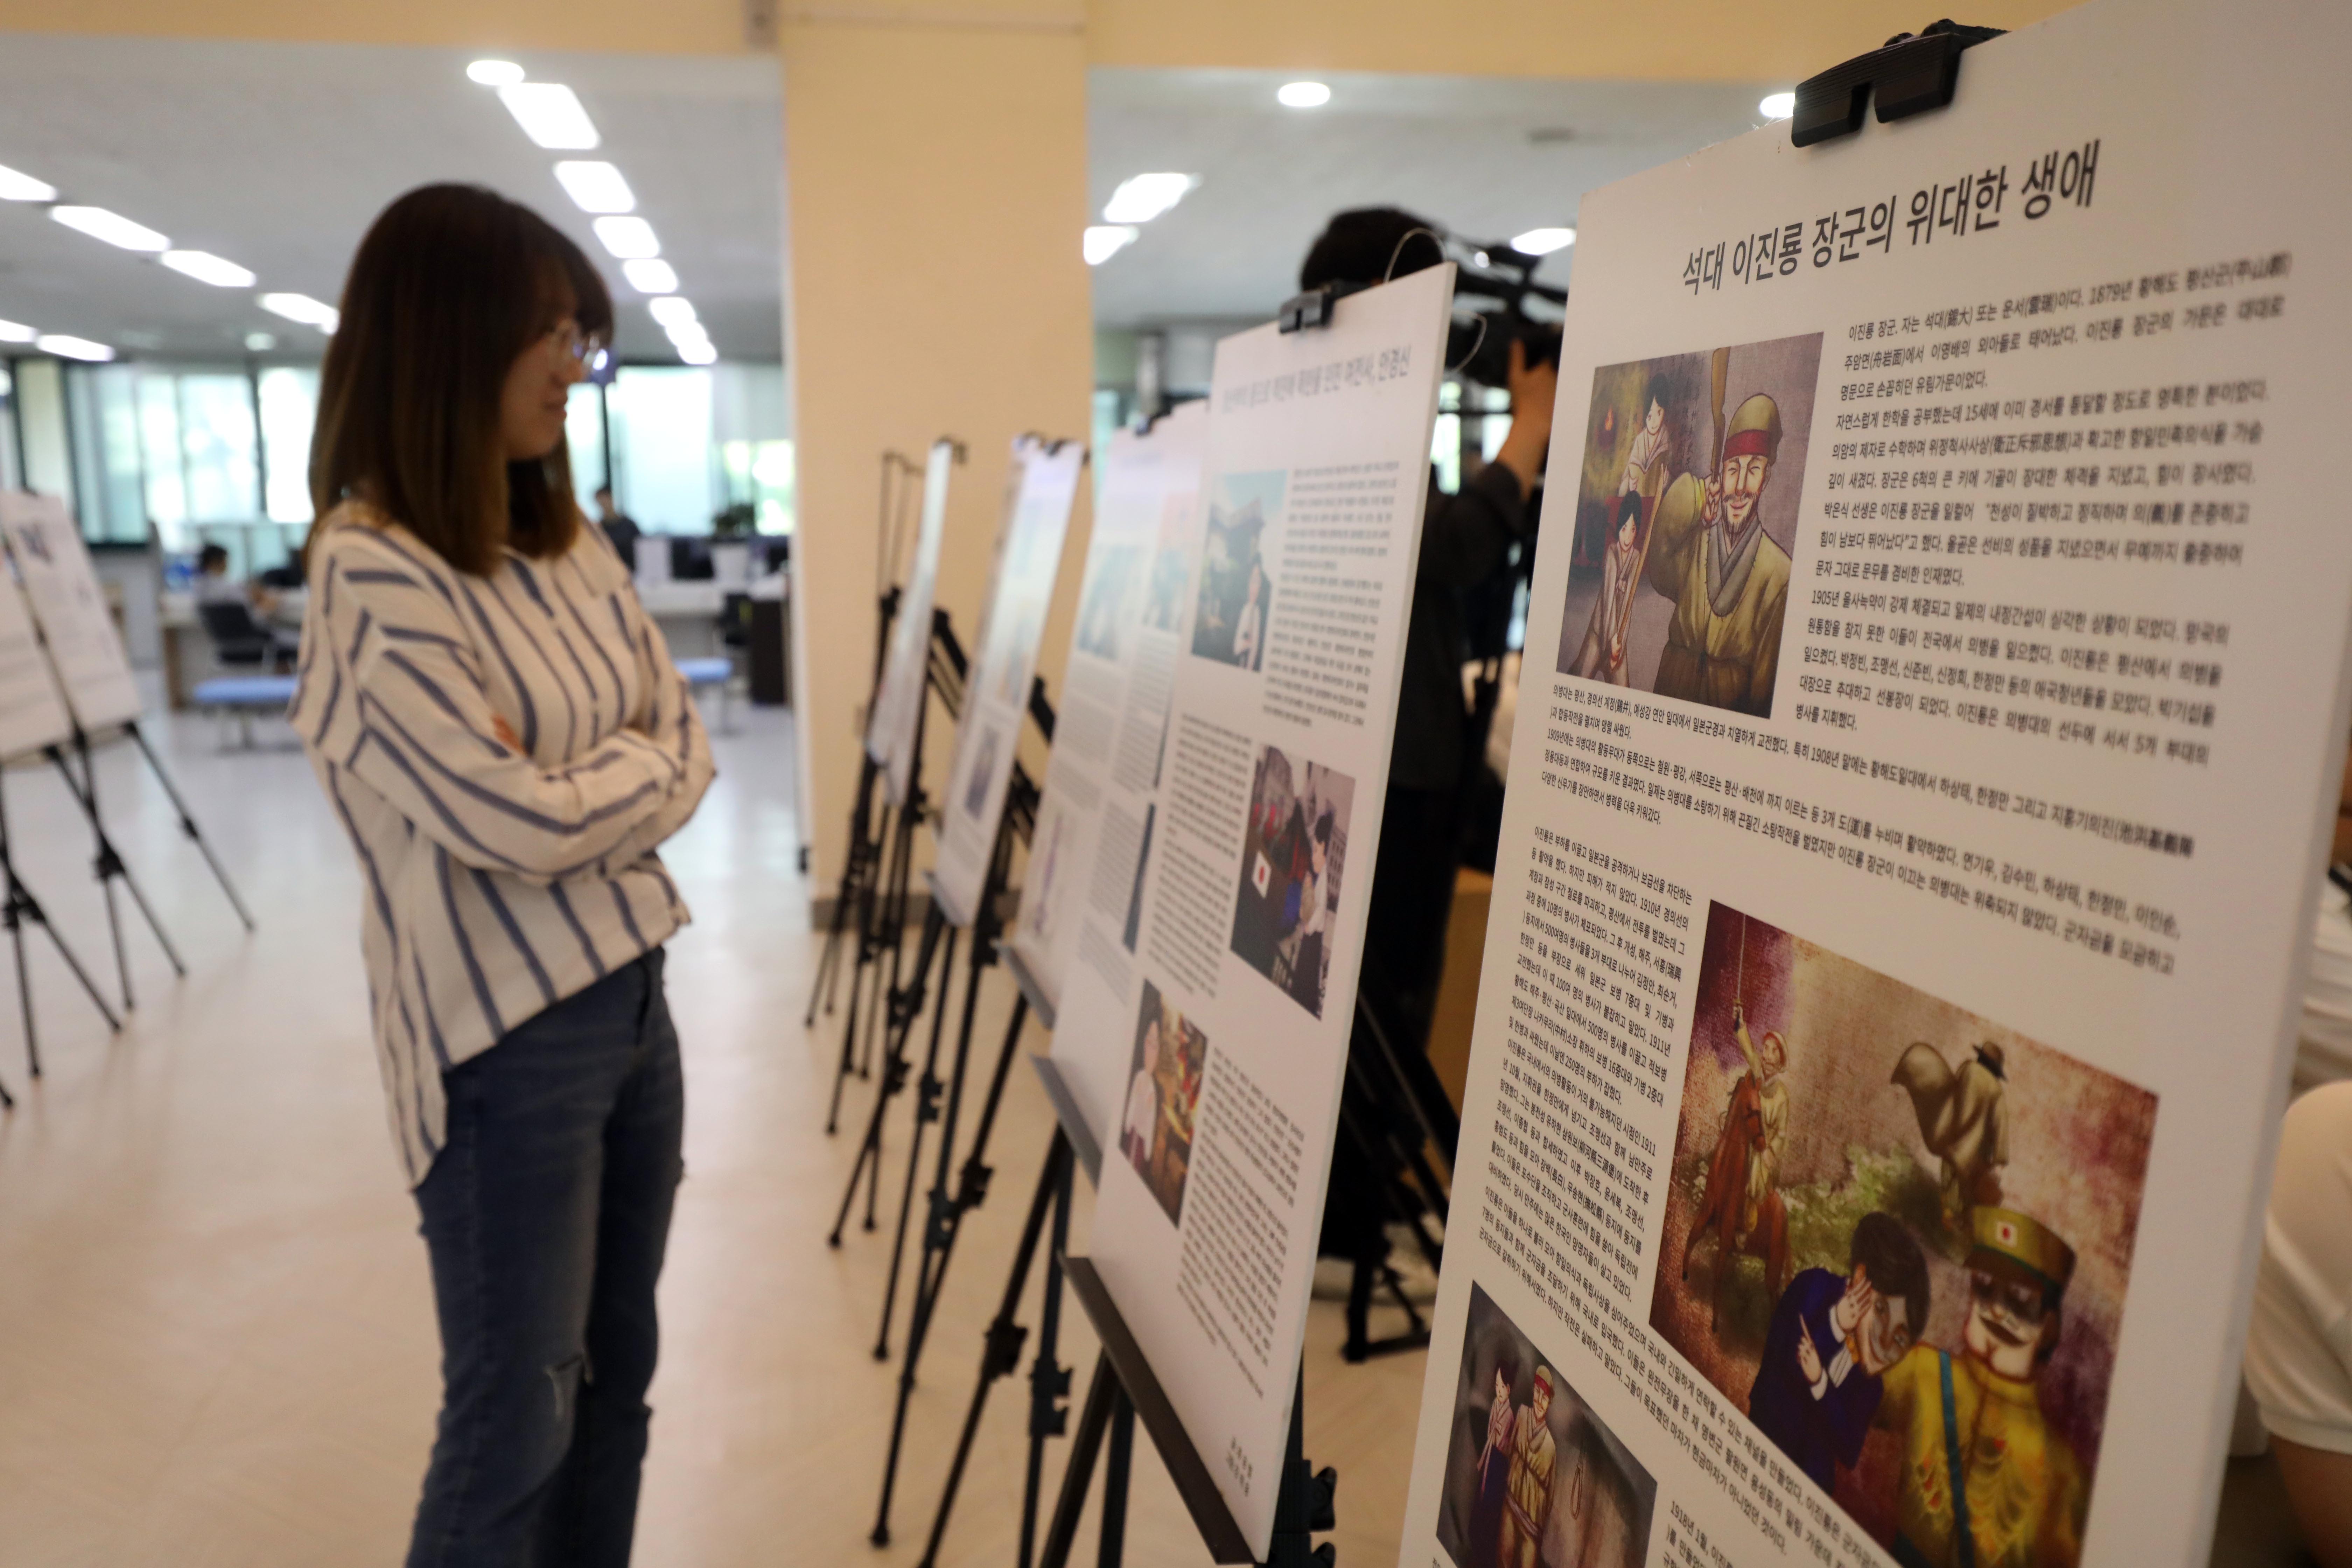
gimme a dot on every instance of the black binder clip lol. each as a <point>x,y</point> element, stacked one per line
<point>1913,73</point>
<point>1313,308</point>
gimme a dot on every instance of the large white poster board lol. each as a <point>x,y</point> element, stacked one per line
<point>1912,821</point>
<point>898,700</point>
<point>61,587</point>
<point>1082,895</point>
<point>1283,706</point>
<point>1043,485</point>
<point>32,714</point>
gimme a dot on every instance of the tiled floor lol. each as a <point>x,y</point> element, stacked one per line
<point>217,1341</point>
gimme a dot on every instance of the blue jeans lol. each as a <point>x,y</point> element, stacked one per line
<point>545,1215</point>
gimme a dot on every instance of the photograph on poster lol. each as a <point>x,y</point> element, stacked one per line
<point>1229,624</point>
<point>1102,603</point>
<point>1293,854</point>
<point>1163,1094</point>
<point>1533,1478</point>
<point>1686,520</point>
<point>1885,1207</point>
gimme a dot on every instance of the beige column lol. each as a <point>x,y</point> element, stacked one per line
<point>935,189</point>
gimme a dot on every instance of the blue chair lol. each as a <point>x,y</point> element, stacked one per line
<point>241,697</point>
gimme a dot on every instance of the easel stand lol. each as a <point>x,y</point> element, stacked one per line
<point>106,865</point>
<point>1124,1387</point>
<point>882,911</point>
<point>947,1204</point>
<point>1391,1117</point>
<point>187,822</point>
<point>19,909</point>
<point>865,834</point>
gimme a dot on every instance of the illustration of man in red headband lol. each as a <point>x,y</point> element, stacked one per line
<point>1727,578</point>
<point>1534,1456</point>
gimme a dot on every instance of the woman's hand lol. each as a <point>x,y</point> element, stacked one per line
<point>505,733</point>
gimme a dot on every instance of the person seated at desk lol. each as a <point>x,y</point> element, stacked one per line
<point>618,526</point>
<point>213,585</point>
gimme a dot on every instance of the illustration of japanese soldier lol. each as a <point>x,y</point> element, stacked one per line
<point>1964,1119</point>
<point>1985,1481</point>
<point>1534,1455</point>
<point>1742,1204</point>
<point>1727,578</point>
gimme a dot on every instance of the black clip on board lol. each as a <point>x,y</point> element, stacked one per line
<point>1912,73</point>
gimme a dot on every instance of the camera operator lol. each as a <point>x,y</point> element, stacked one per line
<point>1466,539</point>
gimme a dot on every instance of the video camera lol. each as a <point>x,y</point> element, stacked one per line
<point>1504,280</point>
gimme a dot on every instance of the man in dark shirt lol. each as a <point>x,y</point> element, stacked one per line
<point>1466,539</point>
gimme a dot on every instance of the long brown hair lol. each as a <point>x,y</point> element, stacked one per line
<point>451,284</point>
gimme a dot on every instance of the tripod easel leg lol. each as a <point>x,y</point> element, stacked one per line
<point>1094,1420</point>
<point>905,1009</point>
<point>927,1110</point>
<point>188,825</point>
<point>1001,1350</point>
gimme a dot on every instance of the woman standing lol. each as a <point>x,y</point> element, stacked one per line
<point>497,725</point>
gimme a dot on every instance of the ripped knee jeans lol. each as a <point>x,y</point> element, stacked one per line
<point>546,1213</point>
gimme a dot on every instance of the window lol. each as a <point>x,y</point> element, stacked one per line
<point>662,456</point>
<point>289,408</point>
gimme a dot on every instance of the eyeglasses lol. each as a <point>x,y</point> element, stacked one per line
<point>570,340</point>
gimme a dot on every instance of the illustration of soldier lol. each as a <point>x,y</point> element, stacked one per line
<point>1492,1504</point>
<point>1729,579</point>
<point>1603,655</point>
<point>1742,1203</point>
<point>1987,1481</point>
<point>1964,1118</point>
<point>1832,1340</point>
<point>1534,1455</point>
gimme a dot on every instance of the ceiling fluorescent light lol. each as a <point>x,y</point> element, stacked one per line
<point>683,333</point>
<point>17,187</point>
<point>699,352</point>
<point>1778,105</point>
<point>1103,241</point>
<point>595,187</point>
<point>648,276</point>
<point>495,73</point>
<point>1143,197</point>
<point>628,239</point>
<point>1302,95</point>
<point>73,348</point>
<point>260,342</point>
<point>112,228</point>
<point>1543,241</point>
<point>206,268</point>
<point>672,309</point>
<point>551,115</point>
<point>303,308</point>
<point>17,332</point>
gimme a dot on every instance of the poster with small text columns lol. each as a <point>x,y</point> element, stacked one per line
<point>1934,700</point>
<point>32,714</point>
<point>899,699</point>
<point>61,587</point>
<point>1242,991</point>
<point>1081,892</point>
<point>1044,484</point>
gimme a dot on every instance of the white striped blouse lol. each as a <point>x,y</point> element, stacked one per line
<point>497,881</point>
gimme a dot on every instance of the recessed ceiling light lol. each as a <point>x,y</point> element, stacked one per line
<point>1103,241</point>
<point>1142,197</point>
<point>685,333</point>
<point>697,353</point>
<point>647,274</point>
<point>550,115</point>
<point>260,342</point>
<point>1543,241</point>
<point>112,228</point>
<point>17,332</point>
<point>1302,95</point>
<point>73,348</point>
<point>17,187</point>
<point>628,239</point>
<point>206,268</point>
<point>495,73</point>
<point>301,307</point>
<point>594,186</point>
<point>1778,105</point>
<point>672,309</point>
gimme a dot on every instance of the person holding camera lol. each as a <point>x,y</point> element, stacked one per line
<point>1465,540</point>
